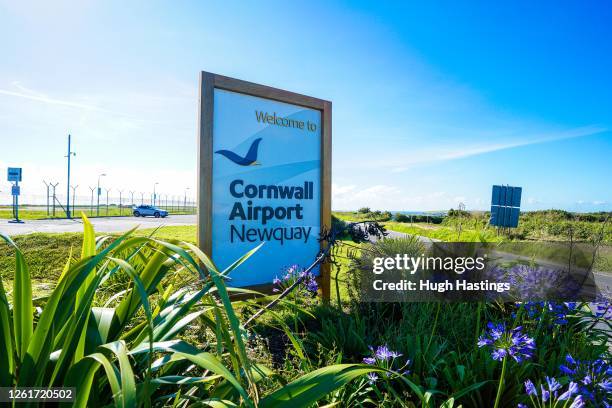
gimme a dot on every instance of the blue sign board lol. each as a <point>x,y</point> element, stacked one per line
<point>266,185</point>
<point>505,206</point>
<point>14,174</point>
<point>15,190</point>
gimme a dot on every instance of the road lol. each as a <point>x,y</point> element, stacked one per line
<point>102,224</point>
<point>395,234</point>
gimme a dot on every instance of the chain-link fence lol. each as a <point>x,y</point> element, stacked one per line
<point>109,202</point>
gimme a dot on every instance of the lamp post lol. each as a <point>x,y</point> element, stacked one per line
<point>70,153</point>
<point>185,200</point>
<point>154,197</point>
<point>132,195</point>
<point>98,203</point>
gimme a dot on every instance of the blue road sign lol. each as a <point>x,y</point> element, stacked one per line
<point>15,190</point>
<point>505,206</point>
<point>14,174</point>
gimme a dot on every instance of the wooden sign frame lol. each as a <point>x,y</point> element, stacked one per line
<point>208,83</point>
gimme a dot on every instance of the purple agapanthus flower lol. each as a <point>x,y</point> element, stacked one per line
<point>593,378</point>
<point>550,393</point>
<point>558,312</point>
<point>386,358</point>
<point>578,402</point>
<point>372,377</point>
<point>530,389</point>
<point>308,283</point>
<point>383,353</point>
<point>536,283</point>
<point>504,343</point>
<point>572,389</point>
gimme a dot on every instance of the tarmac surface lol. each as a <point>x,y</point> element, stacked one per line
<point>102,224</point>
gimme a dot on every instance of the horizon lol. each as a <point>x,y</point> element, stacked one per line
<point>422,119</point>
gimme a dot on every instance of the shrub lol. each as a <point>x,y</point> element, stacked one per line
<point>130,351</point>
<point>363,262</point>
<point>399,217</point>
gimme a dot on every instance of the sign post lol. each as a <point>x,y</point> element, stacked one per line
<point>14,176</point>
<point>264,175</point>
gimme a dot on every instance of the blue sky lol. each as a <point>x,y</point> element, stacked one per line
<point>432,103</point>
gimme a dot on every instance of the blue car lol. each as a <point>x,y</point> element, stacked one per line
<point>144,210</point>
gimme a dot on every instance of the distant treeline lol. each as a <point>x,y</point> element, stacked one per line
<point>543,225</point>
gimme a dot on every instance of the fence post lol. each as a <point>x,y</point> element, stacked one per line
<point>92,201</point>
<point>120,206</point>
<point>107,191</point>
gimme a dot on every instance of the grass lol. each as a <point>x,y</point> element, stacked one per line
<point>442,233</point>
<point>180,232</point>
<point>46,253</point>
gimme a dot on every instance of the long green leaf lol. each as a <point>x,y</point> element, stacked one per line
<point>202,359</point>
<point>22,302</point>
<point>312,387</point>
<point>88,250</point>
<point>128,383</point>
<point>227,304</point>
<point>7,362</point>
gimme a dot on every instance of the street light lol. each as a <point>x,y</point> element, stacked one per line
<point>70,153</point>
<point>154,197</point>
<point>98,203</point>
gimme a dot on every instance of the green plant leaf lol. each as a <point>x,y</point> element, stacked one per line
<point>22,302</point>
<point>313,386</point>
<point>7,363</point>
<point>202,359</point>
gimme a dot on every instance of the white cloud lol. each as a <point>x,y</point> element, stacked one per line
<point>406,161</point>
<point>45,99</point>
<point>389,197</point>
